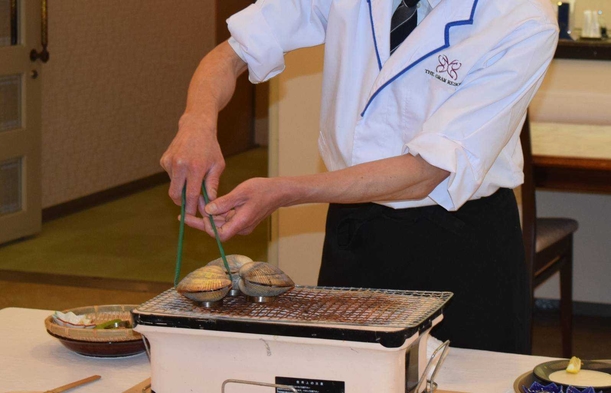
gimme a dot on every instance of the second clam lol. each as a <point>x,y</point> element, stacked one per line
<point>262,282</point>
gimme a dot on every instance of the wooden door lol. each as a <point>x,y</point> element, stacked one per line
<point>20,138</point>
<point>236,121</point>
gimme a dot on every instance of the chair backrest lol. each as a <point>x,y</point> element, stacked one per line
<point>529,207</point>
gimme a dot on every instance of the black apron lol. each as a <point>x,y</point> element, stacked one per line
<point>476,252</point>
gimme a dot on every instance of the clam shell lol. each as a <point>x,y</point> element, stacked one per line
<point>263,279</point>
<point>206,284</point>
<point>251,289</point>
<point>235,262</point>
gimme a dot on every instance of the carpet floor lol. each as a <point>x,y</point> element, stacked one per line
<point>134,238</point>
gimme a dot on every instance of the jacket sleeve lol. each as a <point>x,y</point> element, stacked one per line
<point>263,32</point>
<point>469,131</point>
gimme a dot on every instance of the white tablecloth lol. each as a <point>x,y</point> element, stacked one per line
<point>30,359</point>
<point>468,370</point>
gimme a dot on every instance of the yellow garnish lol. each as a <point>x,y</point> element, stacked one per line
<point>574,365</point>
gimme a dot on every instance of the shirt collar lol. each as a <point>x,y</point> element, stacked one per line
<point>431,3</point>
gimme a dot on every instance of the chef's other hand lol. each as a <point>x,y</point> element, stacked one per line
<point>240,211</point>
<point>193,155</point>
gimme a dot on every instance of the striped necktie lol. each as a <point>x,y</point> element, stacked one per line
<point>403,22</point>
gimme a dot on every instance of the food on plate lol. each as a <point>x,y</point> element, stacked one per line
<point>114,324</point>
<point>574,365</point>
<point>264,279</point>
<point>206,284</point>
<point>72,320</point>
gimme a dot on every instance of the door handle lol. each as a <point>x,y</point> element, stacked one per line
<point>44,54</point>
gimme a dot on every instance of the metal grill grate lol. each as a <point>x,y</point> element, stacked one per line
<point>313,305</point>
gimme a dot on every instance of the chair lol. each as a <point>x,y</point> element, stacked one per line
<point>549,245</point>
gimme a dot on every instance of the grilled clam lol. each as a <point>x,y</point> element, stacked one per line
<point>235,262</point>
<point>206,284</point>
<point>260,279</point>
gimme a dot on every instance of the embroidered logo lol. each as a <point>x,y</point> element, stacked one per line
<point>446,67</point>
<point>450,67</point>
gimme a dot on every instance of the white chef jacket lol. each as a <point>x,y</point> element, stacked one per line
<point>455,92</point>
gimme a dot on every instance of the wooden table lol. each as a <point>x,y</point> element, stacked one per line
<point>30,359</point>
<point>572,157</point>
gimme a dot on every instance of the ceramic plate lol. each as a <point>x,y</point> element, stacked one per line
<point>109,349</point>
<point>544,370</point>
<point>525,379</point>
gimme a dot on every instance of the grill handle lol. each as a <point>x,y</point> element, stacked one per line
<point>268,385</point>
<point>431,386</point>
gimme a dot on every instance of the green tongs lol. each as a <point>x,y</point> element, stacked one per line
<point>181,234</point>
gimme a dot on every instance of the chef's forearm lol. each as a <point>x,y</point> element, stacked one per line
<point>393,179</point>
<point>212,85</point>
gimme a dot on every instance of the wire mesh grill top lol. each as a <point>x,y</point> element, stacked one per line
<point>368,308</point>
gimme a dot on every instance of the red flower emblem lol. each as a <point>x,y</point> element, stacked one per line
<point>449,67</point>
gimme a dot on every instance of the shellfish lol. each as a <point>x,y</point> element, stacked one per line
<point>261,279</point>
<point>235,262</point>
<point>206,284</point>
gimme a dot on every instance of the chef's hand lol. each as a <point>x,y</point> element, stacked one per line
<point>240,211</point>
<point>193,155</point>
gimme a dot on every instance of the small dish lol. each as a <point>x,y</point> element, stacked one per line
<point>544,372</point>
<point>100,349</point>
<point>112,342</point>
<point>525,379</point>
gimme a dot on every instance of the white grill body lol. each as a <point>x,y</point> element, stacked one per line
<point>188,360</point>
<point>349,339</point>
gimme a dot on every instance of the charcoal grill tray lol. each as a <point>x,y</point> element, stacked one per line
<point>387,317</point>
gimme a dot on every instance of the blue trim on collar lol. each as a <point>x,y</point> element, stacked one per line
<point>373,33</point>
<point>444,46</point>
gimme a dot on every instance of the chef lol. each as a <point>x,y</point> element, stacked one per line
<point>422,106</point>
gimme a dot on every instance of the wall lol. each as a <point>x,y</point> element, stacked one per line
<point>573,91</point>
<point>298,230</point>
<point>114,88</point>
<point>577,91</point>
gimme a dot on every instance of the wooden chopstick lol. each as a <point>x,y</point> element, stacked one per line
<point>74,384</point>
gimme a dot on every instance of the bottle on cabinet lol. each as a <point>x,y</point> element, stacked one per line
<point>563,21</point>
<point>591,25</point>
<point>603,25</point>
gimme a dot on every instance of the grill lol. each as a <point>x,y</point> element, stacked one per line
<point>310,335</point>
